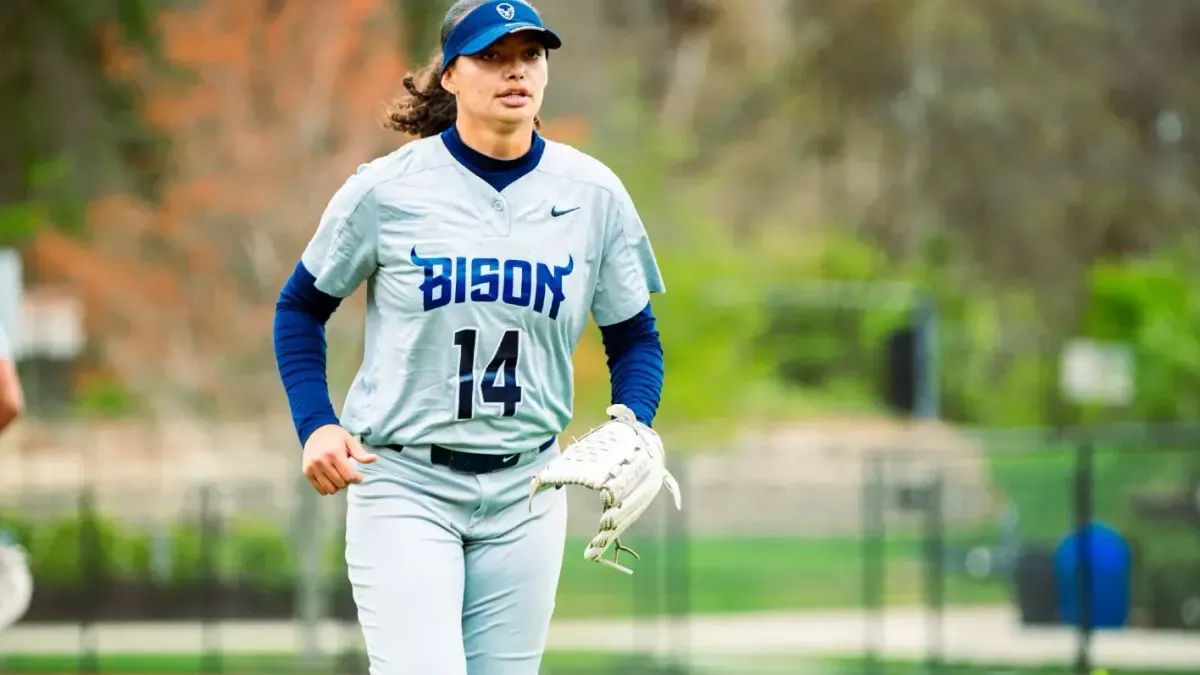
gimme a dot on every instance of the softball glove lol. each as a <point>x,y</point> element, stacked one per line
<point>624,461</point>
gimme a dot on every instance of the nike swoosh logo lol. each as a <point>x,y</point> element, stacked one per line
<point>554,212</point>
<point>510,458</point>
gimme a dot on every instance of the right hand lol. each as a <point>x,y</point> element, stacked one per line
<point>327,454</point>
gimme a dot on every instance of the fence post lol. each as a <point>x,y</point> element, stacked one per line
<point>935,577</point>
<point>649,584</point>
<point>1084,460</point>
<point>310,593</point>
<point>874,563</point>
<point>90,574</point>
<point>679,587</point>
<point>210,583</point>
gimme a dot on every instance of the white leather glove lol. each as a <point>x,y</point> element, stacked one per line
<point>16,584</point>
<point>624,460</point>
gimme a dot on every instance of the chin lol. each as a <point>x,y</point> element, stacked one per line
<point>516,116</point>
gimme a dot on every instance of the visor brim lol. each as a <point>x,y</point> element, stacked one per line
<point>490,36</point>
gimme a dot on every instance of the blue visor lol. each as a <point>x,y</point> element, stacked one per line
<point>489,22</point>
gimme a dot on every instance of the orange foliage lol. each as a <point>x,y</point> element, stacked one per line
<point>276,105</point>
<point>571,130</point>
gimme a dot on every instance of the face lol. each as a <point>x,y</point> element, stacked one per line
<point>503,85</point>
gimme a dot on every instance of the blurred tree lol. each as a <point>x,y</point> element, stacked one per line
<point>280,104</point>
<point>674,42</point>
<point>420,23</point>
<point>71,131</point>
<point>998,150</point>
<point>1020,141</point>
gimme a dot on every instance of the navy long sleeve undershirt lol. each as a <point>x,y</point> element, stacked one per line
<point>635,356</point>
<point>635,364</point>
<point>300,317</point>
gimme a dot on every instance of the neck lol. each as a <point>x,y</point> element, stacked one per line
<point>499,144</point>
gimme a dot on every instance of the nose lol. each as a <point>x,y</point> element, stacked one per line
<point>515,69</point>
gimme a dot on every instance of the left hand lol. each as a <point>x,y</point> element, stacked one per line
<point>624,460</point>
<point>326,459</point>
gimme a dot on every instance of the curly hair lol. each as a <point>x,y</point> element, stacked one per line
<point>426,108</point>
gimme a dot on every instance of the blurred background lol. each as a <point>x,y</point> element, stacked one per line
<point>932,331</point>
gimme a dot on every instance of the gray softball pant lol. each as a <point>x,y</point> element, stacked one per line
<point>452,573</point>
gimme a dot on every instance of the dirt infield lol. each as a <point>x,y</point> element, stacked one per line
<point>968,636</point>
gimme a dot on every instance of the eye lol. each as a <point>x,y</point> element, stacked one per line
<point>534,53</point>
<point>488,55</point>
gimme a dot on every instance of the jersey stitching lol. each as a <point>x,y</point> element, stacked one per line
<point>394,178</point>
<point>604,188</point>
<point>393,173</point>
<point>542,168</point>
<point>390,176</point>
<point>627,250</point>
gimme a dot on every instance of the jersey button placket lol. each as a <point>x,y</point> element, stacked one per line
<point>503,222</point>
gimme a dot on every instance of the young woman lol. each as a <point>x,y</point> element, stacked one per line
<point>485,248</point>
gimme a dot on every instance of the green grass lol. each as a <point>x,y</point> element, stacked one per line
<point>903,668</point>
<point>1038,475</point>
<point>285,664</point>
<point>1042,483</point>
<point>569,663</point>
<point>747,575</point>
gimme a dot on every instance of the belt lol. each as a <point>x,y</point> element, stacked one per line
<point>474,462</point>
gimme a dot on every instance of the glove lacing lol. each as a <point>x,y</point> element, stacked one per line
<point>605,440</point>
<point>602,440</point>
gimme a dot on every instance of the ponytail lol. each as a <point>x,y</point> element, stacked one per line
<point>427,109</point>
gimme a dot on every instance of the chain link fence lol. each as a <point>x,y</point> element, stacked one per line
<point>820,553</point>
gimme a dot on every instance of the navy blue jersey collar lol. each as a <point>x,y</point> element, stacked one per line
<point>499,173</point>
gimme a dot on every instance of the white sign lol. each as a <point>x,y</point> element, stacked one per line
<point>1093,372</point>
<point>52,326</point>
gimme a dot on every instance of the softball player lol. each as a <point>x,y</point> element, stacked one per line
<point>484,248</point>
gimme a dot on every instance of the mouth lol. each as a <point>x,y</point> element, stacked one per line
<point>515,97</point>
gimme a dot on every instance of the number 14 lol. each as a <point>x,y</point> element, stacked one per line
<point>506,357</point>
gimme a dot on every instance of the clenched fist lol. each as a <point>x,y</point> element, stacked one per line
<point>327,454</point>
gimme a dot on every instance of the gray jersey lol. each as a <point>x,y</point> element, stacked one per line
<point>476,299</point>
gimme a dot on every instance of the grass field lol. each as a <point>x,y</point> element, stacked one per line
<point>743,575</point>
<point>1039,478</point>
<point>732,575</point>
<point>151,664</point>
<point>698,575</point>
<point>553,664</point>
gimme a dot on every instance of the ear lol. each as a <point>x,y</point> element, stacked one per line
<point>448,79</point>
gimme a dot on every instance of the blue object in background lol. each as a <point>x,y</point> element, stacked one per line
<point>1111,563</point>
